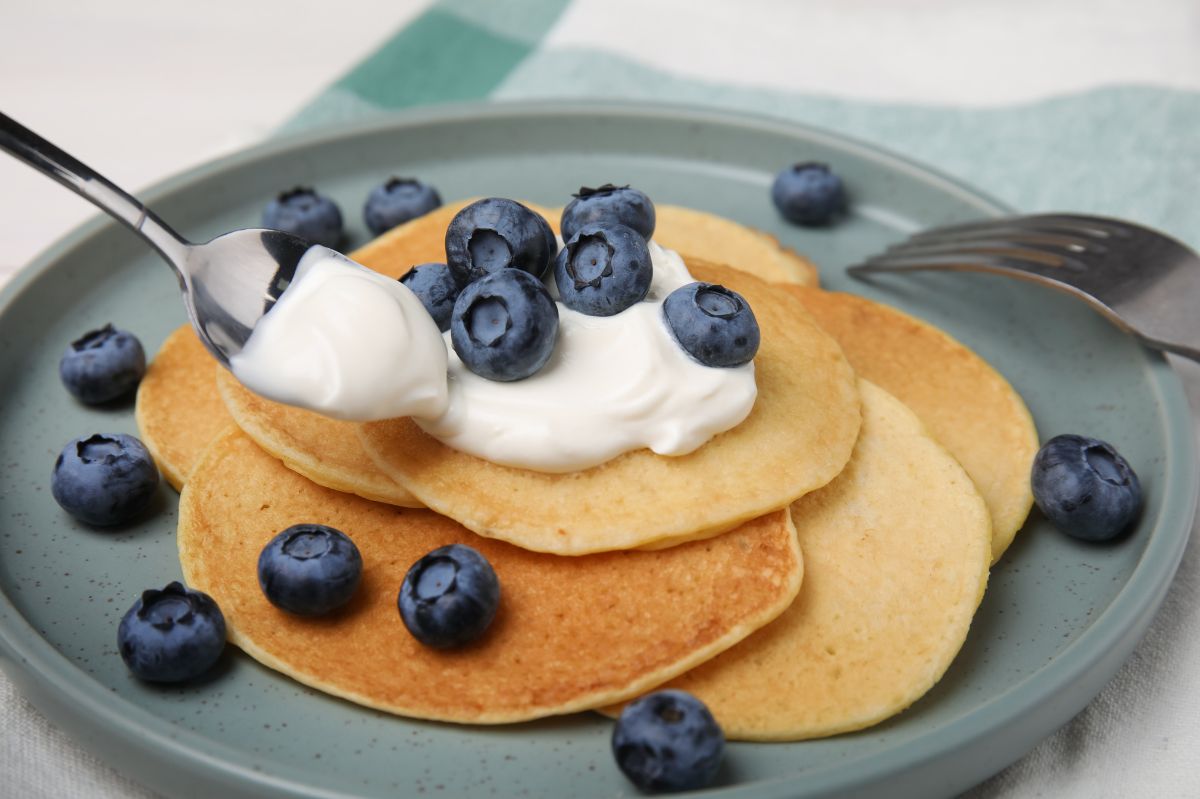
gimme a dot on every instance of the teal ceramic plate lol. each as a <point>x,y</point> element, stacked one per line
<point>1058,619</point>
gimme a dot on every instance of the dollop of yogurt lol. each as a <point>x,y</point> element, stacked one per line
<point>346,342</point>
<point>614,384</point>
<point>352,344</point>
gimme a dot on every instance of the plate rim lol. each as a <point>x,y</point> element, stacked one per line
<point>36,665</point>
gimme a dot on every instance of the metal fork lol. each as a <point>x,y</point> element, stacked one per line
<point>1146,282</point>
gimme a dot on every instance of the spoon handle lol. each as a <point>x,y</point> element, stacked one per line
<point>25,145</point>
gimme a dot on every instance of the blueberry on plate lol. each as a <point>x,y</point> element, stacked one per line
<point>493,234</point>
<point>449,597</point>
<point>713,324</point>
<point>668,741</point>
<point>309,569</point>
<point>604,269</point>
<point>171,635</point>
<point>608,204</point>
<point>808,194</point>
<point>1085,488</point>
<point>104,479</point>
<point>102,365</point>
<point>436,288</point>
<point>504,326</point>
<point>304,213</point>
<point>397,201</point>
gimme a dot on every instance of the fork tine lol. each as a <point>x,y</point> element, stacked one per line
<point>1090,228</point>
<point>1004,235</point>
<point>1052,254</point>
<point>977,262</point>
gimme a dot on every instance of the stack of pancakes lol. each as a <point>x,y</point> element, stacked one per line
<point>812,571</point>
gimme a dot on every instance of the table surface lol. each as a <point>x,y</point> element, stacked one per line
<point>142,90</point>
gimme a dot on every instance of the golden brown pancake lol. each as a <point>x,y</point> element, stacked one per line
<point>570,634</point>
<point>178,411</point>
<point>896,554</point>
<point>326,451</point>
<point>966,404</point>
<point>796,439</point>
<point>699,235</point>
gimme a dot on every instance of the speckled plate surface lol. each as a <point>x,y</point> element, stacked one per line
<point>1058,620</point>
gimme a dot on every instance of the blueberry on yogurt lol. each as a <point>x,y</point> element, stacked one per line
<point>436,288</point>
<point>494,234</point>
<point>449,597</point>
<point>397,201</point>
<point>608,204</point>
<point>104,480</point>
<point>309,569</point>
<point>604,269</point>
<point>102,365</point>
<point>808,194</point>
<point>304,213</point>
<point>504,325</point>
<point>668,741</point>
<point>713,324</point>
<point>171,635</point>
<point>1085,488</point>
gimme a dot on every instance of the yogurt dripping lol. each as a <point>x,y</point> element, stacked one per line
<point>352,344</point>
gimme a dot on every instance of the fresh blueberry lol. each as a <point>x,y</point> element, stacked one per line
<point>171,635</point>
<point>397,201</point>
<point>309,569</point>
<point>435,288</point>
<point>608,204</point>
<point>603,270</point>
<point>103,365</point>
<point>104,480</point>
<point>668,741</point>
<point>808,194</point>
<point>1085,488</point>
<point>449,597</point>
<point>504,326</point>
<point>548,235</point>
<point>304,213</point>
<point>713,324</point>
<point>493,234</point>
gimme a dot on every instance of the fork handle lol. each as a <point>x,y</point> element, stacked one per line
<point>25,145</point>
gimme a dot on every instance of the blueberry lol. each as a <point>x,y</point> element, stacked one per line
<point>171,635</point>
<point>103,365</point>
<point>1085,488</point>
<point>668,741</point>
<point>603,270</point>
<point>808,194</point>
<point>608,204</point>
<point>435,287</point>
<point>397,201</point>
<point>304,213</point>
<point>309,569</point>
<point>104,480</point>
<point>504,326</point>
<point>713,324</point>
<point>493,234</point>
<point>449,597</point>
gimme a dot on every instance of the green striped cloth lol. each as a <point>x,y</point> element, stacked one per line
<point>1131,151</point>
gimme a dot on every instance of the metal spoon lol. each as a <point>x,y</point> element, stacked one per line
<point>227,283</point>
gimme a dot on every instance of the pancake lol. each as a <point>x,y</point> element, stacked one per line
<point>326,451</point>
<point>796,439</point>
<point>178,410</point>
<point>692,233</point>
<point>896,554</point>
<point>966,404</point>
<point>699,235</point>
<point>570,634</point>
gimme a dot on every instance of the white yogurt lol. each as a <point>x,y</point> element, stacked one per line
<point>614,384</point>
<point>352,344</point>
<point>348,343</point>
